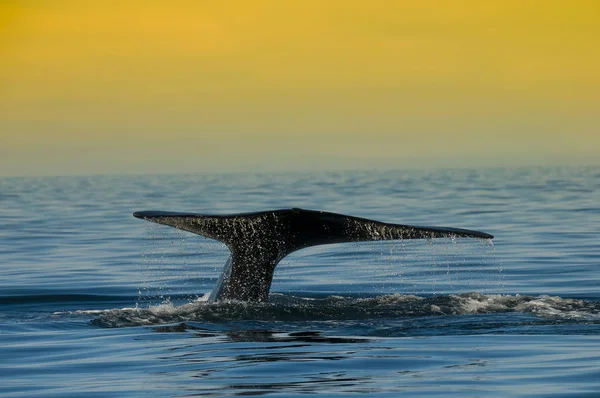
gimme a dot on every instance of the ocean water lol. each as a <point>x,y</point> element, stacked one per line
<point>95,302</point>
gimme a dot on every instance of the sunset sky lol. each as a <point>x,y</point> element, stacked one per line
<point>104,87</point>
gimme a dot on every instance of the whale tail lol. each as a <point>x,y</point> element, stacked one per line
<point>258,241</point>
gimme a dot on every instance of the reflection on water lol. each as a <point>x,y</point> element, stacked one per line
<point>264,362</point>
<point>260,335</point>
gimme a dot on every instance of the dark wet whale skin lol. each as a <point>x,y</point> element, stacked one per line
<point>259,241</point>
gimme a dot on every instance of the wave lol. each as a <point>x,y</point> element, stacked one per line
<point>336,308</point>
<point>61,298</point>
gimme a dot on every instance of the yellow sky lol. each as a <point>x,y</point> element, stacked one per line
<point>168,86</point>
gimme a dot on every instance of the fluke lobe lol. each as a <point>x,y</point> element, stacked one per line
<point>258,241</point>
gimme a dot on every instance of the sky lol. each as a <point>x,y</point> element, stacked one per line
<point>109,87</point>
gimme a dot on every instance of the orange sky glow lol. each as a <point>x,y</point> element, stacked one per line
<point>105,87</point>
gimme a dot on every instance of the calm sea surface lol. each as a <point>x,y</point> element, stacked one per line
<point>95,302</point>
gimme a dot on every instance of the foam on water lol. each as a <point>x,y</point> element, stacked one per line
<point>336,308</point>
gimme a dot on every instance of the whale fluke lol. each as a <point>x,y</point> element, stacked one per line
<point>258,241</point>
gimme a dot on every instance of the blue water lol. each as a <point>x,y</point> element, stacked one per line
<point>95,302</point>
